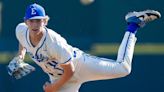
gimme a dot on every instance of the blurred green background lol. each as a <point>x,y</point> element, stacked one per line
<point>97,29</point>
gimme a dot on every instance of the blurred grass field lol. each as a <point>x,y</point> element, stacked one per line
<point>140,49</point>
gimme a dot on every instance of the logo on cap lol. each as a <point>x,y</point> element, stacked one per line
<point>34,11</point>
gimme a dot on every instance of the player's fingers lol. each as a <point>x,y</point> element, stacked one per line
<point>44,86</point>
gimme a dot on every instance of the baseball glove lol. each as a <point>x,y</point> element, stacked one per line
<point>18,69</point>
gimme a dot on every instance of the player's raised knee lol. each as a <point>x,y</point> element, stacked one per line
<point>125,69</point>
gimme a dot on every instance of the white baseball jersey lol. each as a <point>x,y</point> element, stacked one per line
<point>53,50</point>
<point>50,51</point>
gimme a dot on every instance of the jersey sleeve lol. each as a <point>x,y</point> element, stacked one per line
<point>20,32</point>
<point>60,50</point>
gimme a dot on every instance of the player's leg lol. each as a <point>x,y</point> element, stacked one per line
<point>95,68</point>
<point>135,20</point>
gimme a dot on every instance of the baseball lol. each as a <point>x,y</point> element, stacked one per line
<point>86,2</point>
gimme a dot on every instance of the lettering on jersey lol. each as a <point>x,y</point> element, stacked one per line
<point>39,58</point>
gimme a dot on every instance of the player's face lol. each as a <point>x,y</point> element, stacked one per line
<point>35,25</point>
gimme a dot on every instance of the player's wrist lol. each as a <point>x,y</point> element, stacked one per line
<point>20,57</point>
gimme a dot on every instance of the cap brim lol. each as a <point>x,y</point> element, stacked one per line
<point>36,17</point>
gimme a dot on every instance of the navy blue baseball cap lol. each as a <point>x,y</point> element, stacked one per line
<point>34,11</point>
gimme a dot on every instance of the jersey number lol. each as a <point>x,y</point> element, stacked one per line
<point>54,65</point>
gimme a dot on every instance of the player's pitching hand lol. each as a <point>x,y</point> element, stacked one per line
<point>49,87</point>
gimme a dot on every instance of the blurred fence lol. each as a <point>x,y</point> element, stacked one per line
<point>90,28</point>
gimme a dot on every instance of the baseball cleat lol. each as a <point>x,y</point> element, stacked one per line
<point>142,17</point>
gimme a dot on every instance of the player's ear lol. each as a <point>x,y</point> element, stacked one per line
<point>46,20</point>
